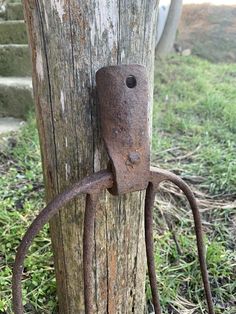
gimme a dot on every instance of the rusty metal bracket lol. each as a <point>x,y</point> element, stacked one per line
<point>123,98</point>
<point>123,103</point>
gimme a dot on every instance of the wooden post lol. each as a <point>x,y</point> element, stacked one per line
<point>70,40</point>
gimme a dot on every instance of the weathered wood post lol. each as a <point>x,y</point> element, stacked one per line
<point>70,40</point>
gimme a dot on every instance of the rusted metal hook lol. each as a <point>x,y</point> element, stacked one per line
<point>123,99</point>
<point>156,177</point>
<point>91,186</point>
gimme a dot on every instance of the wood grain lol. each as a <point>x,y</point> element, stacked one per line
<point>70,40</point>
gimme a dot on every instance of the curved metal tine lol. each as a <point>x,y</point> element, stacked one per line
<point>159,175</point>
<point>88,246</point>
<point>95,183</point>
<point>149,203</point>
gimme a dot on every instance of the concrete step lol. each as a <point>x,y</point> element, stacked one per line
<point>15,60</point>
<point>15,96</point>
<point>13,32</point>
<point>10,124</point>
<point>14,11</point>
<point>2,12</point>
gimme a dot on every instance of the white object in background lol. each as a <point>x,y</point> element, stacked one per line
<point>164,6</point>
<point>9,124</point>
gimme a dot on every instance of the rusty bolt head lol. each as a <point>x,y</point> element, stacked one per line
<point>134,158</point>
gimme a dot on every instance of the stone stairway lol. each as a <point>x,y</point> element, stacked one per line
<point>15,69</point>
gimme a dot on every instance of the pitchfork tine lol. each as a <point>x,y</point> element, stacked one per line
<point>149,202</point>
<point>159,175</point>
<point>91,185</point>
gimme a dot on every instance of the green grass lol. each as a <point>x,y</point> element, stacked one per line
<point>194,135</point>
<point>195,105</point>
<point>195,116</point>
<point>21,198</point>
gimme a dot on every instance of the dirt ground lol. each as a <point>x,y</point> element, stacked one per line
<point>209,31</point>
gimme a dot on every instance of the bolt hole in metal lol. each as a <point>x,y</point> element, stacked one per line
<point>131,81</point>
